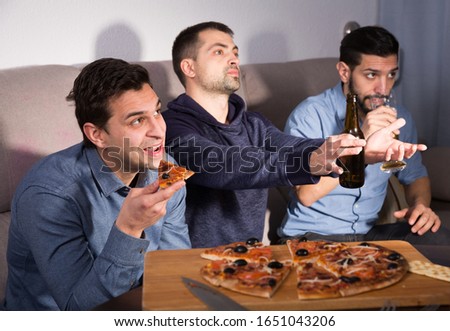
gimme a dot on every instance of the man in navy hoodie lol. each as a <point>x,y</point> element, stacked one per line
<point>236,154</point>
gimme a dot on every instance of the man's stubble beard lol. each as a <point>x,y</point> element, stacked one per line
<point>360,101</point>
<point>226,85</point>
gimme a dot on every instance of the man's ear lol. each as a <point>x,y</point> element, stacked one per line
<point>187,66</point>
<point>95,134</point>
<point>343,71</point>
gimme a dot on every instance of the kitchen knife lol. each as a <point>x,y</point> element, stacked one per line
<point>210,296</point>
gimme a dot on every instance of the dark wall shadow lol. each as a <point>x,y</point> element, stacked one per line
<point>164,80</point>
<point>118,41</point>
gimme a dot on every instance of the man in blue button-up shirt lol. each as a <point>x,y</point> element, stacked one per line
<point>83,218</point>
<point>368,67</point>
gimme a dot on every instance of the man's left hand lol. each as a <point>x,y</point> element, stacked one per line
<point>421,218</point>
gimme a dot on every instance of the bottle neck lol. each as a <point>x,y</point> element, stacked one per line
<point>351,116</point>
<point>352,124</point>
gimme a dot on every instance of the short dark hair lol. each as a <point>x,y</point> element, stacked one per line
<point>97,84</point>
<point>186,44</point>
<point>369,40</point>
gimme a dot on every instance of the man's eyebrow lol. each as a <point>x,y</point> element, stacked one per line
<point>223,45</point>
<point>141,112</point>
<point>377,70</point>
<point>135,113</point>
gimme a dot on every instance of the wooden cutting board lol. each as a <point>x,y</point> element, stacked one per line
<point>164,290</point>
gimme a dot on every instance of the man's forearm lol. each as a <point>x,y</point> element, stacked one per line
<point>308,194</point>
<point>418,192</point>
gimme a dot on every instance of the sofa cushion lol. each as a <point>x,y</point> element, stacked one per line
<point>35,120</point>
<point>275,89</point>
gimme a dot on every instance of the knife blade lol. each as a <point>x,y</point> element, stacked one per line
<point>210,296</point>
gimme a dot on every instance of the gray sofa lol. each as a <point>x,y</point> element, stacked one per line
<point>35,120</point>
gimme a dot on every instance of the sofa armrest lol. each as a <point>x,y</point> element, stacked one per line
<point>437,159</point>
<point>395,200</point>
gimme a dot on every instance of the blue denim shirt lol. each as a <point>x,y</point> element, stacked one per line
<point>64,250</point>
<point>342,211</point>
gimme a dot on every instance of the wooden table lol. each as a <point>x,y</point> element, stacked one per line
<point>164,290</point>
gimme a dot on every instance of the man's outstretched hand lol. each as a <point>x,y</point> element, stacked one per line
<point>380,146</point>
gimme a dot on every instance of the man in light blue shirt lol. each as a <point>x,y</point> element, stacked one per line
<point>368,67</point>
<point>83,218</point>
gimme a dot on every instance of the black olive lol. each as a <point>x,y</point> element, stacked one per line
<point>364,244</point>
<point>350,280</point>
<point>393,256</point>
<point>348,261</point>
<point>275,265</point>
<point>240,249</point>
<point>303,239</point>
<point>392,266</point>
<point>272,282</point>
<point>252,241</point>
<point>165,176</point>
<point>302,252</point>
<point>229,270</point>
<point>240,262</point>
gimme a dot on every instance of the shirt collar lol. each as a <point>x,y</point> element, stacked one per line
<point>105,178</point>
<point>108,181</point>
<point>341,101</point>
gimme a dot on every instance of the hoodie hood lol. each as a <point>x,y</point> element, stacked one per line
<point>185,104</point>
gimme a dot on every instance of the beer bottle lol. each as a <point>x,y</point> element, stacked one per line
<point>353,165</point>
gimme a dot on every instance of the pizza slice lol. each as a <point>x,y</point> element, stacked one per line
<point>252,278</point>
<point>314,283</point>
<point>303,250</point>
<point>251,251</point>
<point>169,173</point>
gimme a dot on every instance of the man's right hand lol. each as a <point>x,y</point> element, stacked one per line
<point>143,207</point>
<point>323,160</point>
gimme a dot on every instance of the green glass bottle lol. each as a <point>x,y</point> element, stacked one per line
<point>353,165</point>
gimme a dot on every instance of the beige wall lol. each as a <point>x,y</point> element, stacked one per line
<point>78,31</point>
